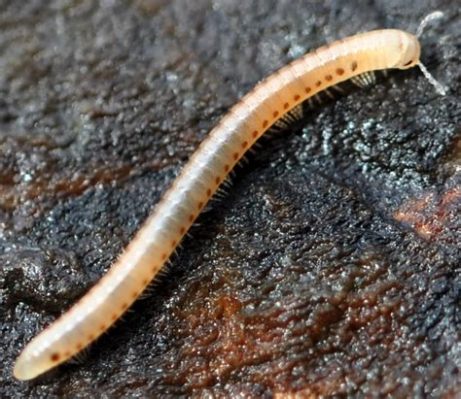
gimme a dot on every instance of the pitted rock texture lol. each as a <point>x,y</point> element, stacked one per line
<point>331,267</point>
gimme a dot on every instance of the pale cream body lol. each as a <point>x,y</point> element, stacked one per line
<point>206,170</point>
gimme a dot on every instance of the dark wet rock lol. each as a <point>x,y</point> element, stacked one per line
<point>330,268</point>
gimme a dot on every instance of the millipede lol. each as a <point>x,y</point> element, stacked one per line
<point>269,102</point>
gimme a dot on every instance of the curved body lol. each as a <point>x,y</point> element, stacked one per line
<point>208,167</point>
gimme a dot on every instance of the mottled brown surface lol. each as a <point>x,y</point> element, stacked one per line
<point>331,267</point>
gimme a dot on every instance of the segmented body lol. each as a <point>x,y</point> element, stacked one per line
<point>208,167</point>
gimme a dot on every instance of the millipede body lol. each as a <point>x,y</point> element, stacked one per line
<point>208,167</point>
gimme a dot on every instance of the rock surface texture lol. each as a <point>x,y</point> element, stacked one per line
<point>332,267</point>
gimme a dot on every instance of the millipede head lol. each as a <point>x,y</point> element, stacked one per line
<point>411,51</point>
